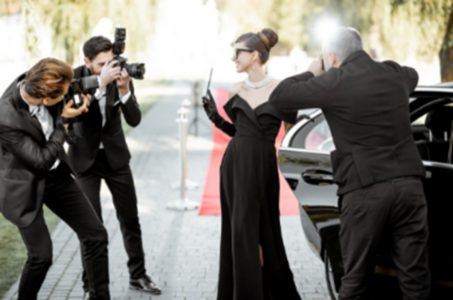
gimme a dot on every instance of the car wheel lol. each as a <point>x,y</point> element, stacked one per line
<point>330,277</point>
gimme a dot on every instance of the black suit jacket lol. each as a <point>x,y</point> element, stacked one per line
<point>25,157</point>
<point>90,132</point>
<point>366,106</point>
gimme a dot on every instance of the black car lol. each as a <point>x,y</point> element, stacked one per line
<point>304,160</point>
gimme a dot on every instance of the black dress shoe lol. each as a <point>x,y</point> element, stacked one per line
<point>144,284</point>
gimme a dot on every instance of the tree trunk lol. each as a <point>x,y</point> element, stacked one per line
<point>446,52</point>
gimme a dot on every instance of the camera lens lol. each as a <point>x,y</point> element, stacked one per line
<point>136,70</point>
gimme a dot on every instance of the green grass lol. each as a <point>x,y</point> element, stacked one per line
<point>12,249</point>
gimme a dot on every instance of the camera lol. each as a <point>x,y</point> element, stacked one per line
<point>80,86</point>
<point>135,70</point>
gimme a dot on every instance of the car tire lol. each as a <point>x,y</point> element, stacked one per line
<point>330,277</point>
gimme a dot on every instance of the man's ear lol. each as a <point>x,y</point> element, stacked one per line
<point>333,59</point>
<point>87,62</point>
<point>45,101</point>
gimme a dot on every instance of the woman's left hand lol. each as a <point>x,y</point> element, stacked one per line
<point>210,106</point>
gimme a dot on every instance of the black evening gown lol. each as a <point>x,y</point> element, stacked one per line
<point>249,195</point>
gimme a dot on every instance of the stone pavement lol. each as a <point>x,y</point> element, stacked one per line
<point>182,248</point>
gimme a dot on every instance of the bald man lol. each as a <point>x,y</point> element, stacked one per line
<point>376,164</point>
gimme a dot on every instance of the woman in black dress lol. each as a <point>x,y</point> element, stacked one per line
<point>253,262</point>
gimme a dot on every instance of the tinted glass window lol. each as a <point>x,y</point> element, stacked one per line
<point>432,130</point>
<point>420,121</point>
<point>319,138</point>
<point>314,135</point>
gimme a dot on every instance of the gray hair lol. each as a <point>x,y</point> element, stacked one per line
<point>343,42</point>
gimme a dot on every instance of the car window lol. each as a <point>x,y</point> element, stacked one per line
<point>314,135</point>
<point>420,121</point>
<point>319,138</point>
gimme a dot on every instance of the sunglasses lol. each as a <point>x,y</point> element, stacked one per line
<point>238,50</point>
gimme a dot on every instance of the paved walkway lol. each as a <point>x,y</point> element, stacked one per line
<point>182,248</point>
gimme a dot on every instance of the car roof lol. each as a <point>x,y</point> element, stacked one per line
<point>439,90</point>
<point>445,87</point>
<point>432,91</point>
<point>444,84</point>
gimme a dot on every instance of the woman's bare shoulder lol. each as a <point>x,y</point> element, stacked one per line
<point>234,89</point>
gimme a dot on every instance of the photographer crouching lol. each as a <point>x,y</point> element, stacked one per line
<point>34,170</point>
<point>102,152</point>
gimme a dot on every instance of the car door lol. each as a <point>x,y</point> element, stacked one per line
<point>437,182</point>
<point>304,160</point>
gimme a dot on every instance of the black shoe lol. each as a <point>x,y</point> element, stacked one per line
<point>144,284</point>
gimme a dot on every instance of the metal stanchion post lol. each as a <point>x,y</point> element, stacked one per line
<point>196,96</point>
<point>190,185</point>
<point>183,203</point>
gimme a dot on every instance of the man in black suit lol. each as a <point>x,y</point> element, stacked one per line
<point>34,170</point>
<point>376,164</point>
<point>102,152</point>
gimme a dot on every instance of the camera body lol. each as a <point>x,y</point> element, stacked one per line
<point>80,86</point>
<point>135,70</point>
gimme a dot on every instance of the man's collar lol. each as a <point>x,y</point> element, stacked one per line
<point>86,71</point>
<point>353,56</point>
<point>33,109</point>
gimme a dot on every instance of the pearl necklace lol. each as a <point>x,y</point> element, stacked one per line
<point>259,84</point>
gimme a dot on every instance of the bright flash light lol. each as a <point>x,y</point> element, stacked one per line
<point>325,28</point>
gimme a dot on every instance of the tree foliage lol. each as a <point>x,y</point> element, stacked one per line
<point>72,22</point>
<point>283,16</point>
<point>398,29</point>
<point>431,24</point>
<point>9,7</point>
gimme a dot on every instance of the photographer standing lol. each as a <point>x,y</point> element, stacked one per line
<point>376,164</point>
<point>34,170</point>
<point>101,151</point>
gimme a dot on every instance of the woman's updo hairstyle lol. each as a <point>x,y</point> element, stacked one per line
<point>262,41</point>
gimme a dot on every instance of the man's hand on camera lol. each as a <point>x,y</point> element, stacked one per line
<point>316,67</point>
<point>109,72</point>
<point>70,112</point>
<point>123,83</point>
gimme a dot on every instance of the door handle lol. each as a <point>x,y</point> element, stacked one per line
<point>318,177</point>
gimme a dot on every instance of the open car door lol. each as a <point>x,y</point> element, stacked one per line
<point>304,160</point>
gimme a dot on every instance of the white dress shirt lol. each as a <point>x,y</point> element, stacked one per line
<point>44,117</point>
<point>102,105</point>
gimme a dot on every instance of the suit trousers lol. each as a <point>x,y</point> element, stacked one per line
<point>394,210</point>
<point>63,196</point>
<point>121,185</point>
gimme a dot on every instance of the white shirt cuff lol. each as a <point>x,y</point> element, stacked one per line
<point>98,95</point>
<point>125,97</point>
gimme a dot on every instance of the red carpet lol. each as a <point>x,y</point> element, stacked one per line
<point>210,204</point>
